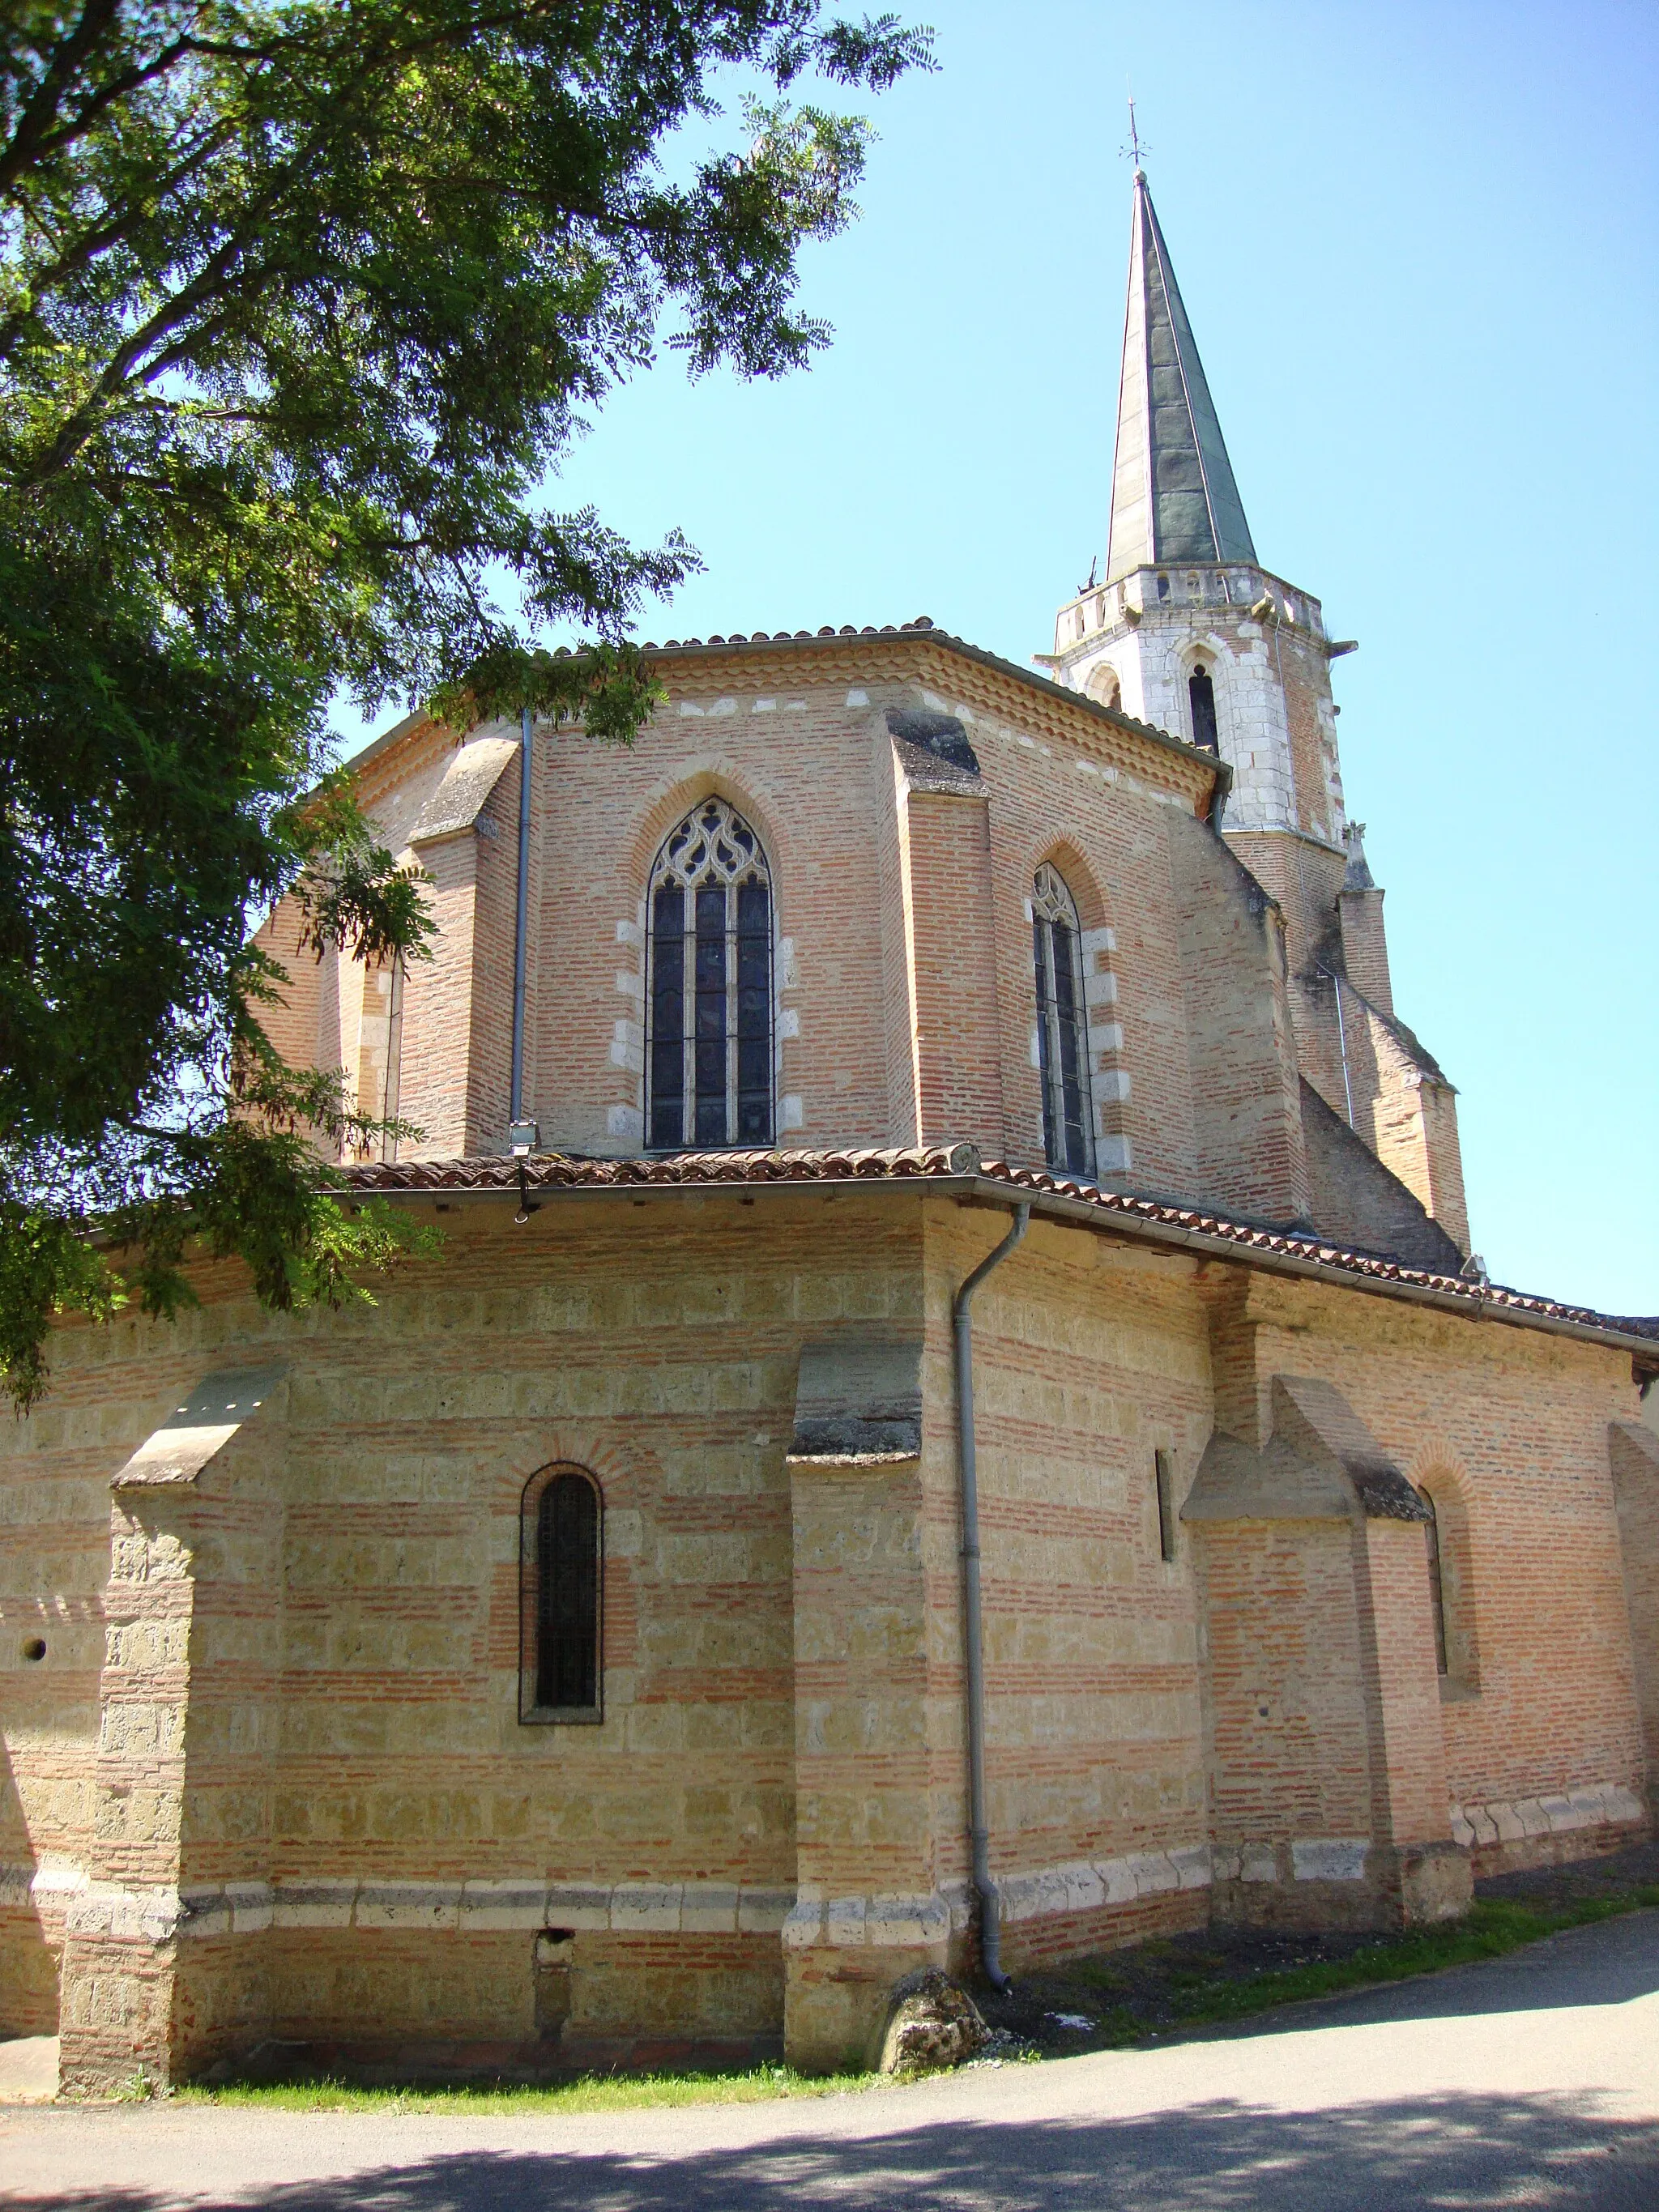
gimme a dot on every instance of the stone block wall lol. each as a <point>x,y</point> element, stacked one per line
<point>1270,667</point>
<point>1088,1361</point>
<point>280,1787</point>
<point>55,1471</point>
<point>266,1837</point>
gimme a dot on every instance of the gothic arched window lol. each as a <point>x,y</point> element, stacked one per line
<point>1062,1026</point>
<point>1200,696</point>
<point>708,986</point>
<point>561,1597</point>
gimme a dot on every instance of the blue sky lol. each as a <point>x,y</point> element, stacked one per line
<point>1417,245</point>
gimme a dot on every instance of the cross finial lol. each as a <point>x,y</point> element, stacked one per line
<point>1137,146</point>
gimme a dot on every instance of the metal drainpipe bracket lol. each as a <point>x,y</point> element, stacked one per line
<point>527,1205</point>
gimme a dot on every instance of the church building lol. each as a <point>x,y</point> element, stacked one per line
<point>954,1419</point>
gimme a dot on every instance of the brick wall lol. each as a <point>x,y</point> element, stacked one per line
<point>1246,1106</point>
<point>1634,1453</point>
<point>903,935</point>
<point>870,921</point>
<point>1356,1199</point>
<point>959,1051</point>
<point>1512,1424</point>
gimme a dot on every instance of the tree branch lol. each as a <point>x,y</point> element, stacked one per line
<point>96,18</point>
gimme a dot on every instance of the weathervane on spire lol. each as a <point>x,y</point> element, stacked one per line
<point>1136,146</point>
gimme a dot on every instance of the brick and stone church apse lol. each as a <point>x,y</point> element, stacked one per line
<point>954,1419</point>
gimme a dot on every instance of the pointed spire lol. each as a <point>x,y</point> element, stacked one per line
<point>1173,494</point>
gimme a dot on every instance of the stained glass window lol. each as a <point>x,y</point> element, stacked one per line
<point>1062,1026</point>
<point>708,989</point>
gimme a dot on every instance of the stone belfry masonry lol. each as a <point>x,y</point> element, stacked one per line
<point>1186,615</point>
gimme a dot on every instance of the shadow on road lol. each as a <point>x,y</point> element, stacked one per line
<point>1452,2151</point>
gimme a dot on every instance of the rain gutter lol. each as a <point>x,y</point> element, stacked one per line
<point>1049,1206</point>
<point>973,1644</point>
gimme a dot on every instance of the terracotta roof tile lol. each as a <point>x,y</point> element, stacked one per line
<point>560,1171</point>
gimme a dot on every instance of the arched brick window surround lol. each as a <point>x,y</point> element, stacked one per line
<point>1436,1581</point>
<point>561,1597</point>
<point>1450,1565</point>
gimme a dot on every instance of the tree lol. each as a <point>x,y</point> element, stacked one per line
<point>299,304</point>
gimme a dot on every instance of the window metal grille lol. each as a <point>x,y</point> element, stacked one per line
<point>567,1582</point>
<point>708,986</point>
<point>1062,1026</point>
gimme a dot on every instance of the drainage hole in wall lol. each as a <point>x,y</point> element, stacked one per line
<point>34,1648</point>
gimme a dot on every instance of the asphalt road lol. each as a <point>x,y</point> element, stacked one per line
<point>1532,2080</point>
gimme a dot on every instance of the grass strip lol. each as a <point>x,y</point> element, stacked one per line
<point>592,2092</point>
<point>1489,1929</point>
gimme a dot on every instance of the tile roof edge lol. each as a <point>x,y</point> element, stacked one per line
<point>930,634</point>
<point>697,649</point>
<point>1162,1219</point>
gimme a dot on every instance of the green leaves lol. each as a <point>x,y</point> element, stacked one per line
<point>47,1268</point>
<point>608,688</point>
<point>301,302</point>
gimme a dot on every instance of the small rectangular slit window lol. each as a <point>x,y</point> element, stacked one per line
<point>1161,1481</point>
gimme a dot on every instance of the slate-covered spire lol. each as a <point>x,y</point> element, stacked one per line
<point>1173,494</point>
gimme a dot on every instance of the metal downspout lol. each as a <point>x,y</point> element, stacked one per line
<point>520,928</point>
<point>990,1914</point>
<point>1341,1037</point>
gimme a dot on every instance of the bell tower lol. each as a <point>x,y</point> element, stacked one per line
<point>1188,630</point>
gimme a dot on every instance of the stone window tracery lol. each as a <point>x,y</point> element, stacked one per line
<point>708,1055</point>
<point>561,1597</point>
<point>1062,1025</point>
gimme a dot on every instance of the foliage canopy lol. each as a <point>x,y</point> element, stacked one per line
<point>300,303</point>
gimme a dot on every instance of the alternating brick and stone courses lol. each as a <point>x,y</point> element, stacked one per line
<point>567,1658</point>
<point>297,1803</point>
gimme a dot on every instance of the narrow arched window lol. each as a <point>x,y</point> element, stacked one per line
<point>1200,696</point>
<point>708,986</point>
<point>1104,686</point>
<point>1437,1585</point>
<point>562,1543</point>
<point>1062,1026</point>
